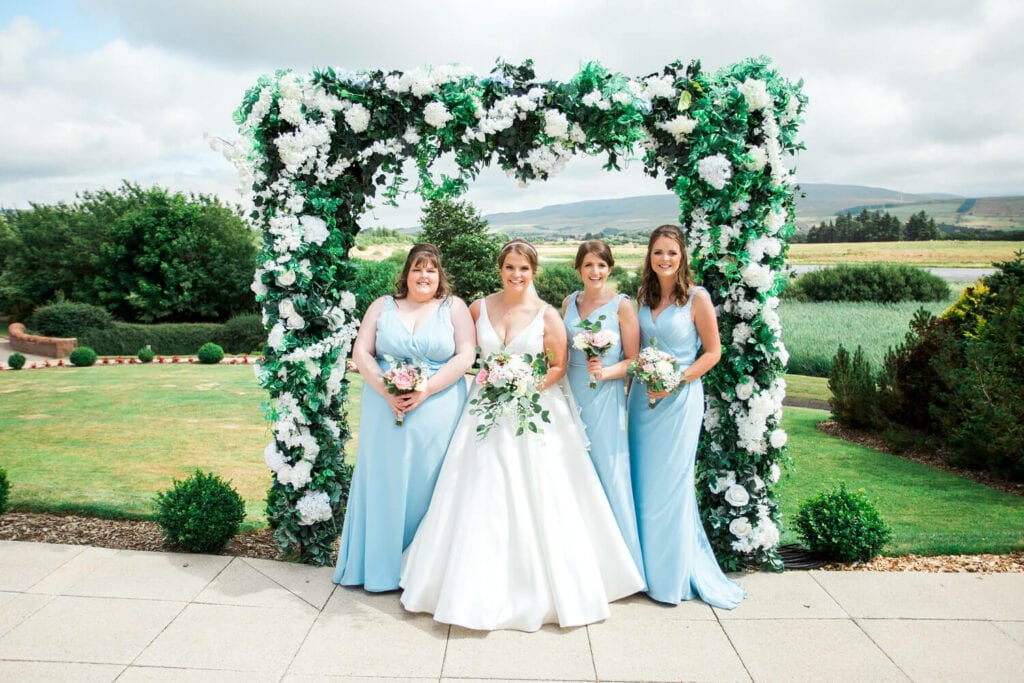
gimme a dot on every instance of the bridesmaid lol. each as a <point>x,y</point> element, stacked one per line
<point>603,408</point>
<point>678,559</point>
<point>396,466</point>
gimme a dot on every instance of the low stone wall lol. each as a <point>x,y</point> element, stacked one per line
<point>52,347</point>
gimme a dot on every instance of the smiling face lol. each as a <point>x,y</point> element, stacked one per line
<point>594,270</point>
<point>423,280</point>
<point>665,257</point>
<point>516,272</point>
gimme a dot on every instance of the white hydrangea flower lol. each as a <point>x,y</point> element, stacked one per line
<point>411,135</point>
<point>295,203</point>
<point>774,473</point>
<point>595,99</point>
<point>437,115</point>
<point>357,117</point>
<point>577,134</point>
<point>755,92</point>
<point>723,482</point>
<point>741,335</point>
<point>736,496</point>
<point>759,158</point>
<point>556,125</point>
<point>746,309</point>
<point>715,170</point>
<point>284,475</point>
<point>765,534</point>
<point>276,337</point>
<point>313,507</point>
<point>758,276</point>
<point>778,438</point>
<point>302,474</point>
<point>679,128</point>
<point>712,418</point>
<point>621,97</point>
<point>776,219</point>
<point>659,86</point>
<point>273,457</point>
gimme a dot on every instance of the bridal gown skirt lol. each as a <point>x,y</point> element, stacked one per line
<point>519,532</point>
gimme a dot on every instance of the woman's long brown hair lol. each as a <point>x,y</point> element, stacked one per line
<point>650,288</point>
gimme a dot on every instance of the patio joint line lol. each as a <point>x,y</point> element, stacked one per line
<point>725,632</point>
<point>590,646</point>
<point>278,583</point>
<point>305,637</point>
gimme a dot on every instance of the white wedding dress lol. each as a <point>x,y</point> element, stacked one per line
<point>519,532</point>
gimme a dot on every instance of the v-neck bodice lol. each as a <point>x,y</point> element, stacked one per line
<point>530,339</point>
<point>610,311</point>
<point>433,343</point>
<point>674,330</point>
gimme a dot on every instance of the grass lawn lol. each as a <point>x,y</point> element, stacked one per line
<point>931,512</point>
<point>103,440</point>
<point>802,386</point>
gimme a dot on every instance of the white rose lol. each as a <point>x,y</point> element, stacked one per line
<point>295,321</point>
<point>285,308</point>
<point>744,390</point>
<point>286,279</point>
<point>740,527</point>
<point>778,438</point>
<point>257,286</point>
<point>737,496</point>
<point>315,229</point>
<point>347,301</point>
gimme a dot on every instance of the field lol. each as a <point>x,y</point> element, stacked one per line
<point>103,440</point>
<point>940,253</point>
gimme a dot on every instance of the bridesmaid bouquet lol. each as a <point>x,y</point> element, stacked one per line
<point>593,341</point>
<point>508,386</point>
<point>403,377</point>
<point>658,370</point>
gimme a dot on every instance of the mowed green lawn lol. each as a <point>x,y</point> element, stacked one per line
<point>103,440</point>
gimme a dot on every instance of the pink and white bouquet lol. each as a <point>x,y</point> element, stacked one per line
<point>658,370</point>
<point>508,386</point>
<point>403,377</point>
<point>593,341</point>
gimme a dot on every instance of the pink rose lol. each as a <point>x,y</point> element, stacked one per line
<point>481,377</point>
<point>404,381</point>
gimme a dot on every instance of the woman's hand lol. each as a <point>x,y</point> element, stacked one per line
<point>396,405</point>
<point>411,401</point>
<point>595,368</point>
<point>658,395</point>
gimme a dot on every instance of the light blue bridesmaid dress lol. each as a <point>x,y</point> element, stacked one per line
<point>396,467</point>
<point>603,410</point>
<point>678,559</point>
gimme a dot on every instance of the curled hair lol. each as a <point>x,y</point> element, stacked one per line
<point>650,288</point>
<point>598,248</point>
<point>521,247</point>
<point>424,252</point>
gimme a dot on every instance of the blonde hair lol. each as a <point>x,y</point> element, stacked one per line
<point>521,247</point>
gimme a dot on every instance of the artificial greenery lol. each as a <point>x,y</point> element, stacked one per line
<point>210,354</point>
<point>16,361</point>
<point>68,319</point>
<point>82,357</point>
<point>319,150</point>
<point>201,513</point>
<point>842,525</point>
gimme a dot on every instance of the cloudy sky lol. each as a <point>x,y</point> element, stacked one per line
<point>911,95</point>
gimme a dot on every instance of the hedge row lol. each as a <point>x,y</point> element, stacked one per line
<point>241,334</point>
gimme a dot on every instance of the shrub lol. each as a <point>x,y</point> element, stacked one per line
<point>242,334</point>
<point>125,339</point>
<point>200,513</point>
<point>210,354</point>
<point>842,526</point>
<point>370,280</point>
<point>626,281</point>
<point>555,282</point>
<point>854,399</point>
<point>878,282</point>
<point>146,354</point>
<point>5,488</point>
<point>82,357</point>
<point>16,361</point>
<point>68,319</point>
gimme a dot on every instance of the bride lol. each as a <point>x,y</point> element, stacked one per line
<point>519,532</point>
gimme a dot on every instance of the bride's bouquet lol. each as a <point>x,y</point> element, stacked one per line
<point>658,370</point>
<point>593,341</point>
<point>508,386</point>
<point>403,377</point>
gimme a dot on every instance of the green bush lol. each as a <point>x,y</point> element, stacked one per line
<point>166,339</point>
<point>68,319</point>
<point>16,361</point>
<point>878,282</point>
<point>854,399</point>
<point>370,280</point>
<point>5,488</point>
<point>210,354</point>
<point>146,354</point>
<point>82,357</point>
<point>556,281</point>
<point>842,526</point>
<point>242,334</point>
<point>201,513</point>
<point>626,281</point>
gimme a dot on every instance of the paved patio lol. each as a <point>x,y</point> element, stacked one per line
<point>93,614</point>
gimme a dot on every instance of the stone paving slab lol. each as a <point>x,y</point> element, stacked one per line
<point>23,565</point>
<point>551,653</point>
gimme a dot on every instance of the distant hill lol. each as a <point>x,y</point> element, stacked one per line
<point>821,202</point>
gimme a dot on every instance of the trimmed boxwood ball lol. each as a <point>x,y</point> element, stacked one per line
<point>16,361</point>
<point>82,357</point>
<point>842,526</point>
<point>201,513</point>
<point>5,487</point>
<point>146,354</point>
<point>210,353</point>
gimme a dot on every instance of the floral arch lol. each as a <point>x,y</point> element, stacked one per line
<point>319,148</point>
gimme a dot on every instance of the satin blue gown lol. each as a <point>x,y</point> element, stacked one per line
<point>678,560</point>
<point>397,467</point>
<point>603,410</point>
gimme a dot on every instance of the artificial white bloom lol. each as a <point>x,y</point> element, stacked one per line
<point>727,235</point>
<point>315,229</point>
<point>715,170</point>
<point>411,135</point>
<point>776,219</point>
<point>758,482</point>
<point>302,474</point>
<point>659,86</point>
<point>740,527</point>
<point>577,134</point>
<point>745,388</point>
<point>437,115</point>
<point>286,278</point>
<point>556,125</point>
<point>595,99</point>
<point>736,496</point>
<point>679,128</point>
<point>284,475</point>
<point>792,110</point>
<point>774,472</point>
<point>295,322</point>
<point>291,111</point>
<point>285,308</point>
<point>723,482</point>
<point>257,285</point>
<point>762,246</point>
<point>755,92</point>
<point>358,118</point>
<point>712,418</point>
<point>746,309</point>
<point>758,276</point>
<point>736,208</point>
<point>621,97</point>
<point>765,535</point>
<point>295,203</point>
<point>273,457</point>
<point>759,158</point>
<point>314,506</point>
<point>347,301</point>
<point>778,438</point>
<point>741,334</point>
<point>276,337</point>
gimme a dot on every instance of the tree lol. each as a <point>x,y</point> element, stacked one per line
<point>920,227</point>
<point>557,281</point>
<point>176,259</point>
<point>470,253</point>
